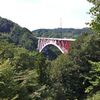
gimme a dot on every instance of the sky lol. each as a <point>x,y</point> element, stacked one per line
<point>37,14</point>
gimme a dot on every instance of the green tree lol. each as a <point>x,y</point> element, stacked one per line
<point>8,87</point>
<point>19,77</point>
<point>95,11</point>
<point>94,78</point>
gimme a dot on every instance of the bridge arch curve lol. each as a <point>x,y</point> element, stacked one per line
<point>62,44</point>
<point>54,44</point>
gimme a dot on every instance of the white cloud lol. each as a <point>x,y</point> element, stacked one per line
<point>35,14</point>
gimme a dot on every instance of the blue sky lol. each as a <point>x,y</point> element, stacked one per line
<point>36,14</point>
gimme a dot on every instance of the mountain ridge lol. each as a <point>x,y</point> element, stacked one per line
<point>17,34</point>
<point>61,32</point>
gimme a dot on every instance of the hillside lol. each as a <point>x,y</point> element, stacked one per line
<point>14,33</point>
<point>61,32</point>
<point>29,75</point>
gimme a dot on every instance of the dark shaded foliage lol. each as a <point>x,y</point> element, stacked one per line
<point>16,34</point>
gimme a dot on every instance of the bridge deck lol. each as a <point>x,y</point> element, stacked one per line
<point>68,39</point>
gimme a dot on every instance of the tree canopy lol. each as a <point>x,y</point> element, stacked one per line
<point>28,75</point>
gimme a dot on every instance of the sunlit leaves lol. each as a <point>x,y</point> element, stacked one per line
<point>95,11</point>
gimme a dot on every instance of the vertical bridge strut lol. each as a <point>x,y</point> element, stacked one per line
<point>63,44</point>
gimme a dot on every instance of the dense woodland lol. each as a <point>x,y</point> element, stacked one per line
<point>26,74</point>
<point>17,35</point>
<point>61,32</point>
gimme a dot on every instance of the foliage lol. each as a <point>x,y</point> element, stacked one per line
<point>61,32</point>
<point>51,52</point>
<point>95,96</point>
<point>94,74</point>
<point>95,12</point>
<point>28,75</point>
<point>94,78</point>
<point>16,34</point>
<point>19,76</point>
<point>68,73</point>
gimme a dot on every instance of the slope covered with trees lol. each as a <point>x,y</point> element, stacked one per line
<point>28,75</point>
<point>19,73</point>
<point>16,34</point>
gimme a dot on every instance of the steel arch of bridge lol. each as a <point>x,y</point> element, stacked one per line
<point>63,44</point>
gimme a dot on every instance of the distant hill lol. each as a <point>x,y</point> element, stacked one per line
<point>14,33</point>
<point>61,32</point>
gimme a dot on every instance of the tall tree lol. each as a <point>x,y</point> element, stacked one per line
<point>95,11</point>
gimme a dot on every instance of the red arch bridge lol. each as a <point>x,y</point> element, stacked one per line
<point>63,44</point>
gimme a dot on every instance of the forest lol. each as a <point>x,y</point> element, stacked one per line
<point>61,32</point>
<point>26,74</point>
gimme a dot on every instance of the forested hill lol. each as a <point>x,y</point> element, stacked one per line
<point>61,32</point>
<point>29,75</point>
<point>14,33</point>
